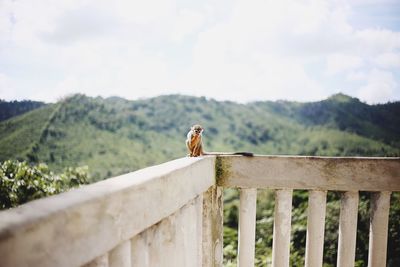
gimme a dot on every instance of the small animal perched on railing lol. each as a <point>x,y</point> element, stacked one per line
<point>194,144</point>
<point>194,141</point>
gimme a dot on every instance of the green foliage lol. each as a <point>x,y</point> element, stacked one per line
<point>15,108</point>
<point>114,136</point>
<point>19,135</point>
<point>394,231</point>
<point>264,228</point>
<point>347,114</point>
<point>20,183</point>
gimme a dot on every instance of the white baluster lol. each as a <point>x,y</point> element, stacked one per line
<point>120,256</point>
<point>380,204</point>
<point>282,227</point>
<point>347,229</point>
<point>315,228</point>
<point>101,261</point>
<point>247,227</point>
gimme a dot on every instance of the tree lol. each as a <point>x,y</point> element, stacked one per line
<point>20,182</point>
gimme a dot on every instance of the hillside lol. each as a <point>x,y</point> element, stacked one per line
<point>114,135</point>
<point>15,108</point>
<point>19,134</point>
<point>378,122</point>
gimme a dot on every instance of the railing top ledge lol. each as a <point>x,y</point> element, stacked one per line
<point>41,207</point>
<point>308,157</point>
<point>305,172</point>
<point>89,221</point>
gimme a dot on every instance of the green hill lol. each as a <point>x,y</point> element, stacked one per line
<point>378,122</point>
<point>114,135</point>
<point>19,134</point>
<point>15,108</point>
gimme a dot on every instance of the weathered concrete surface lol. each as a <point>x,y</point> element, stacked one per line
<point>120,256</point>
<point>174,212</point>
<point>378,233</point>
<point>247,227</point>
<point>73,228</point>
<point>315,228</point>
<point>101,261</point>
<point>347,229</point>
<point>320,173</point>
<point>173,242</point>
<point>282,227</point>
<point>213,227</point>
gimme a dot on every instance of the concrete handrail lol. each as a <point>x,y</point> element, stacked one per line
<point>75,227</point>
<point>171,214</point>
<point>318,175</point>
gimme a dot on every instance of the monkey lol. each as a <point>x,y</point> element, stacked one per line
<point>194,144</point>
<point>194,141</point>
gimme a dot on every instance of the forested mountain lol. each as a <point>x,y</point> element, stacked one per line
<point>378,122</point>
<point>15,108</point>
<point>114,135</point>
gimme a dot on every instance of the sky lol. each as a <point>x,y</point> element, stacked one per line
<point>239,50</point>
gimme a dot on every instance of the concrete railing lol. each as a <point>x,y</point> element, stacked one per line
<point>171,214</point>
<point>381,176</point>
<point>166,215</point>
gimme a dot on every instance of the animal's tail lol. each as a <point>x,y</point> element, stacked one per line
<point>246,154</point>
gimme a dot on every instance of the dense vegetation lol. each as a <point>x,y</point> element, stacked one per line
<point>20,183</point>
<point>114,136</point>
<point>264,228</point>
<point>15,108</point>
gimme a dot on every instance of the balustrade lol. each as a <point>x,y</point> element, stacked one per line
<point>318,175</point>
<point>172,214</point>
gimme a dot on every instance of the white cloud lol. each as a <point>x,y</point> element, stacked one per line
<point>377,41</point>
<point>259,77</point>
<point>247,57</point>
<point>70,85</point>
<point>364,3</point>
<point>388,60</point>
<point>356,76</point>
<point>337,63</point>
<point>379,88</point>
<point>7,19</point>
<point>80,23</point>
<point>142,12</point>
<point>242,50</point>
<point>6,89</point>
<point>186,23</point>
<point>30,18</point>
